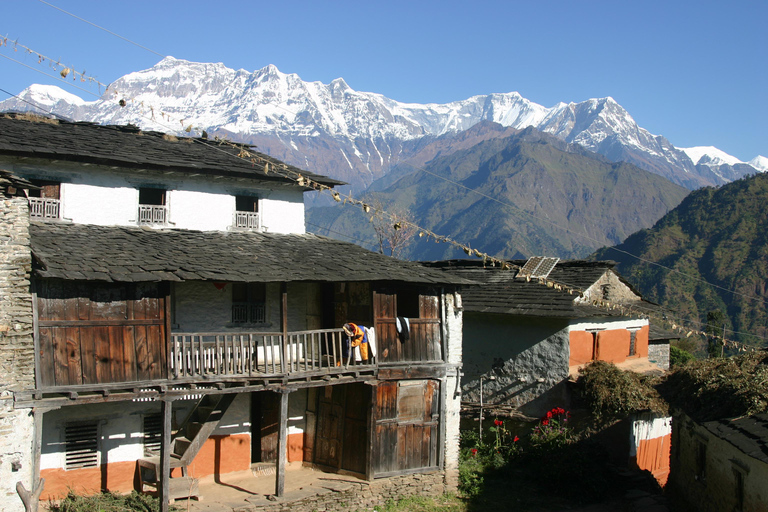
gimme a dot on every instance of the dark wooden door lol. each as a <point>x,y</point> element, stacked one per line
<point>355,445</point>
<point>330,426</point>
<point>265,422</point>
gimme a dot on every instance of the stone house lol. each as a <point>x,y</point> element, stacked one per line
<point>524,340</point>
<point>165,316</point>
<point>722,464</point>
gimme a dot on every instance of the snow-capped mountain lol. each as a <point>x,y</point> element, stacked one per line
<point>350,135</point>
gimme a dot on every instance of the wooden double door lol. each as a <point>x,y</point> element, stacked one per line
<point>341,437</point>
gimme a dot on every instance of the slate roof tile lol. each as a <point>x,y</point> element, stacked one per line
<point>135,254</point>
<point>499,291</point>
<point>128,147</point>
<point>749,434</point>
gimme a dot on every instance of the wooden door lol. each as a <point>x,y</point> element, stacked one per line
<point>330,426</point>
<point>265,422</point>
<point>355,445</point>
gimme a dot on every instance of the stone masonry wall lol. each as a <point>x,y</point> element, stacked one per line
<point>17,358</point>
<point>356,495</point>
<point>659,353</point>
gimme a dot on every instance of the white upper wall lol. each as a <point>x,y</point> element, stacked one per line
<point>108,197</point>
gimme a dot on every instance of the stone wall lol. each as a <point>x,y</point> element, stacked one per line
<point>354,495</point>
<point>659,353</point>
<point>17,358</point>
<point>523,361</point>
<point>712,486</point>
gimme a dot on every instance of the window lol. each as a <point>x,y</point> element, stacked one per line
<point>739,488</point>
<point>701,461</point>
<point>153,434</point>
<point>81,445</point>
<point>152,206</point>
<point>44,203</point>
<point>249,303</point>
<point>247,212</point>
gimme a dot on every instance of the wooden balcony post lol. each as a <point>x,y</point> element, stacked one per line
<point>164,486</point>
<point>282,444</point>
<point>284,315</point>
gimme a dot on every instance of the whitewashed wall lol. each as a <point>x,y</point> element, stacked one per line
<point>102,196</point>
<point>121,435</point>
<point>202,307</point>
<point>452,388</point>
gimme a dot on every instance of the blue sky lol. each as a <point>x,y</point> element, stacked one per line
<point>695,72</point>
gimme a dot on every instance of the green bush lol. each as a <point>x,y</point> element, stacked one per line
<point>678,356</point>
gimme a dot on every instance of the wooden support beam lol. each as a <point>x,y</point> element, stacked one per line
<point>282,444</point>
<point>37,443</point>
<point>163,484</point>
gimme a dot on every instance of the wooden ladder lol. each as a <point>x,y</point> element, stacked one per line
<point>185,445</point>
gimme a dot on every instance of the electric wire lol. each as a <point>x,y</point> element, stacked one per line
<point>445,239</point>
<point>100,28</point>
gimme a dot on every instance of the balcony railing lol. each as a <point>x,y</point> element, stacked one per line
<point>43,208</point>
<point>212,355</point>
<point>247,220</point>
<point>152,214</point>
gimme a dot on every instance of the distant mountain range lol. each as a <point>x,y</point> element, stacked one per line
<point>513,194</point>
<point>359,136</point>
<point>709,253</point>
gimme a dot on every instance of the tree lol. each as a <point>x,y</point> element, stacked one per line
<point>715,332</point>
<point>394,227</point>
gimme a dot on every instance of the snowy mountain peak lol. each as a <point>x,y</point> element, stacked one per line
<point>367,130</point>
<point>760,163</point>
<point>709,155</point>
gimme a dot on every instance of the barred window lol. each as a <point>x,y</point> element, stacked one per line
<point>81,445</point>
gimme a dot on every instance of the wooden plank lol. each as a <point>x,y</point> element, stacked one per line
<point>130,372</point>
<point>99,323</point>
<point>74,357</point>
<point>143,359</point>
<point>101,354</point>
<point>60,359</point>
<point>282,446</point>
<point>117,361</point>
<point>36,341</point>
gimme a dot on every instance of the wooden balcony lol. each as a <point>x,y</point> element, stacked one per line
<point>44,208</point>
<point>243,355</point>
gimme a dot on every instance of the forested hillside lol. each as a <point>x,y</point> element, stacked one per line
<point>714,246</point>
<point>516,196</point>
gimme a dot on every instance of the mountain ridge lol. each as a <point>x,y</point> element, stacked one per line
<point>351,135</point>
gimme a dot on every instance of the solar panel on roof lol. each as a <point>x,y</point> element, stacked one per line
<point>538,267</point>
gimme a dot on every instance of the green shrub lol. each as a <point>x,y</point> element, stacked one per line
<point>107,502</point>
<point>678,356</point>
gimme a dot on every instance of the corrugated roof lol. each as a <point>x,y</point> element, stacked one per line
<point>127,254</point>
<point>129,147</point>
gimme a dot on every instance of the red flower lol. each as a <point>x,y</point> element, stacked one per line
<point>498,423</point>
<point>549,414</point>
<point>545,422</point>
<point>474,451</point>
<point>516,439</point>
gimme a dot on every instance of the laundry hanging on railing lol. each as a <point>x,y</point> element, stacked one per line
<point>403,329</point>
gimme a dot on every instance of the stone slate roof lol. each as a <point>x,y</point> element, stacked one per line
<point>8,179</point>
<point>499,291</point>
<point>131,148</point>
<point>134,254</point>
<point>749,434</point>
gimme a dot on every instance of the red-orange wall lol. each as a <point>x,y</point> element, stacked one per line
<point>581,347</point>
<point>641,341</point>
<point>653,455</point>
<point>219,455</point>
<point>613,345</point>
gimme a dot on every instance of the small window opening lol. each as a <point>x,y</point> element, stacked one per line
<point>153,434</point>
<point>408,304</point>
<point>249,303</point>
<point>701,461</point>
<point>739,488</point>
<point>247,212</point>
<point>152,206</point>
<point>81,445</point>
<point>44,203</point>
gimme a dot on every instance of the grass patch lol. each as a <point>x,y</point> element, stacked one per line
<point>446,503</point>
<point>107,502</point>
